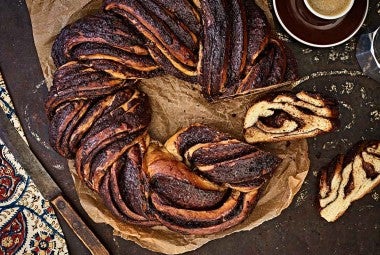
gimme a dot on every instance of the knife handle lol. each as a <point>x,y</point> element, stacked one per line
<point>78,226</point>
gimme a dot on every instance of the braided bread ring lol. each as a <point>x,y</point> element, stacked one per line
<point>202,181</point>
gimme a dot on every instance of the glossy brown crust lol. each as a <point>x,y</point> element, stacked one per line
<point>241,169</point>
<point>179,28</point>
<point>77,99</point>
<point>250,43</point>
<point>87,51</point>
<point>78,80</point>
<point>102,36</point>
<point>257,74</point>
<point>279,63</point>
<point>258,31</point>
<point>215,45</point>
<point>239,41</point>
<point>206,222</point>
<point>119,208</point>
<point>115,130</point>
<point>217,151</point>
<point>124,188</point>
<point>155,30</point>
<point>184,11</point>
<point>196,198</point>
<point>119,70</point>
<point>178,70</point>
<point>109,142</point>
<point>271,66</point>
<point>187,137</point>
<point>100,120</point>
<point>174,182</point>
<point>62,125</point>
<point>266,61</point>
<point>218,187</point>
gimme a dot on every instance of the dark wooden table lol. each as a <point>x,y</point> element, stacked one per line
<point>299,229</point>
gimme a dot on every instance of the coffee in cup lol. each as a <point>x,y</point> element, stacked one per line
<point>329,9</point>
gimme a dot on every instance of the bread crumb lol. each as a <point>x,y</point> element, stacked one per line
<point>301,197</point>
<point>283,37</point>
<point>347,88</point>
<point>375,196</point>
<point>348,107</point>
<point>307,50</point>
<point>333,88</point>
<point>363,93</point>
<point>329,145</point>
<point>375,116</point>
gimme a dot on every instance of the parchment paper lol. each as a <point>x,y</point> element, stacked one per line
<point>175,104</point>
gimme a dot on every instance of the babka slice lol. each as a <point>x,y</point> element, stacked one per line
<point>348,178</point>
<point>288,116</point>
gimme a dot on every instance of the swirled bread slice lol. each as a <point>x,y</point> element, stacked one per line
<point>348,178</point>
<point>287,116</point>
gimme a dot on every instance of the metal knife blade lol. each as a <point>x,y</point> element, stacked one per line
<point>46,185</point>
<point>27,159</point>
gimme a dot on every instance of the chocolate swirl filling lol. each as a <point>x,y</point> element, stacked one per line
<point>348,178</point>
<point>286,116</point>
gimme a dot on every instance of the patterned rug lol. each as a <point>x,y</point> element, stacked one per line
<point>28,224</point>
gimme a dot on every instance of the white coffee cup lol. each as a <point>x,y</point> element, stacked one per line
<point>322,15</point>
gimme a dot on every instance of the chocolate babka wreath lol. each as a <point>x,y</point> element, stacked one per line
<point>202,181</point>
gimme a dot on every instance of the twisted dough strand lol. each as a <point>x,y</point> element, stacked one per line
<point>200,197</point>
<point>104,36</point>
<point>225,46</point>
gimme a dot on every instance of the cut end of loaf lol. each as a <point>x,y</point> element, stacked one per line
<point>348,179</point>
